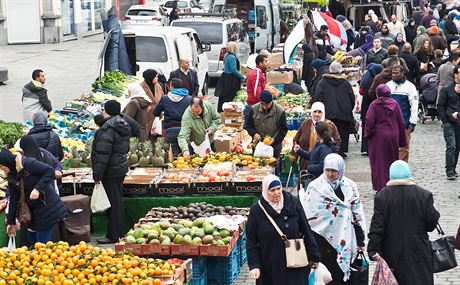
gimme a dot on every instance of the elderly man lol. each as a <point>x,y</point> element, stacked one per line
<point>199,119</point>
<point>188,76</point>
<point>396,27</point>
<point>267,118</point>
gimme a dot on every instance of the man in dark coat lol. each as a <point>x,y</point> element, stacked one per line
<point>323,43</point>
<point>35,96</point>
<point>338,97</point>
<point>412,63</point>
<point>109,157</point>
<point>403,214</point>
<point>417,16</point>
<point>188,76</point>
<point>376,54</point>
<point>45,136</point>
<point>319,67</point>
<point>449,112</point>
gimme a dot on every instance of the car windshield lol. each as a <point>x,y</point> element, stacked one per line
<point>180,4</point>
<point>142,12</point>
<point>151,49</point>
<point>208,32</point>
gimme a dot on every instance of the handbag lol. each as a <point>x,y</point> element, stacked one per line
<point>443,252</point>
<point>296,253</point>
<point>23,214</point>
<point>457,240</point>
<point>359,270</point>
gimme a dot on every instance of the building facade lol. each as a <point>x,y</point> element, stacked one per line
<point>51,21</point>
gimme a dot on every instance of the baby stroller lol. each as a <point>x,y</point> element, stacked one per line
<point>428,97</point>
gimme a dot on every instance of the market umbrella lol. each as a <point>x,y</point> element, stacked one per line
<point>337,32</point>
<point>294,38</point>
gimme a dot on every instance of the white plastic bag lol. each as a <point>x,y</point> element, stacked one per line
<point>156,127</point>
<point>321,275</point>
<point>12,243</point>
<point>99,200</point>
<point>263,150</point>
<point>204,148</point>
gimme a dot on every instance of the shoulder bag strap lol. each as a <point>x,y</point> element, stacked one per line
<point>283,236</point>
<point>49,139</point>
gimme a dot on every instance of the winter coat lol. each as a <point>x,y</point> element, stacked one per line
<point>154,98</point>
<point>255,83</point>
<point>396,28</point>
<point>268,123</point>
<point>307,72</point>
<point>306,139</point>
<point>406,95</point>
<point>403,214</point>
<point>46,137</point>
<point>426,20</point>
<point>135,130</point>
<point>419,40</point>
<point>34,99</point>
<point>48,209</point>
<point>376,57</point>
<point>193,129</point>
<point>337,95</point>
<point>109,153</point>
<point>438,42</point>
<point>319,75</point>
<point>323,44</point>
<point>411,33</point>
<point>451,30</point>
<point>413,65</point>
<point>265,248</point>
<point>140,110</point>
<point>445,75</point>
<point>316,156</point>
<point>173,106</point>
<point>194,87</point>
<point>386,39</point>
<point>381,78</point>
<point>448,103</point>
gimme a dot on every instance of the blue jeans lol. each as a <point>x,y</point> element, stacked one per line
<point>452,138</point>
<point>43,236</point>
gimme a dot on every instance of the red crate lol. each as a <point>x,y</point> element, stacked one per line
<point>185,249</point>
<point>156,249</point>
<point>133,248</point>
<point>217,250</point>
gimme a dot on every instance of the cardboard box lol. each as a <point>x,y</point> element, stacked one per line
<point>245,70</point>
<point>276,77</point>
<point>275,60</point>
<point>227,144</point>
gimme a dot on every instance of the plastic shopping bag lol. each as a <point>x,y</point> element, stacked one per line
<point>156,127</point>
<point>319,275</point>
<point>263,150</point>
<point>383,274</point>
<point>99,200</point>
<point>12,243</point>
<point>204,148</point>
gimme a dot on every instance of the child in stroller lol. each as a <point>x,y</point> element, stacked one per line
<point>428,97</point>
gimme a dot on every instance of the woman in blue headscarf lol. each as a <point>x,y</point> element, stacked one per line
<point>335,214</point>
<point>372,70</point>
<point>403,214</point>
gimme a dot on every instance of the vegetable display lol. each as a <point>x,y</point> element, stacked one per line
<point>114,82</point>
<point>10,132</point>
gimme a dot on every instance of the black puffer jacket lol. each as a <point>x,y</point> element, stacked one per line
<point>48,209</point>
<point>109,154</point>
<point>337,95</point>
<point>45,136</point>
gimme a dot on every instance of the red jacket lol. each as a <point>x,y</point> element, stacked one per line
<point>255,83</point>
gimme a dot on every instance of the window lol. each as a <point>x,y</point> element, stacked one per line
<point>142,12</point>
<point>199,47</point>
<point>208,32</point>
<point>151,49</point>
<point>178,4</point>
<point>261,14</point>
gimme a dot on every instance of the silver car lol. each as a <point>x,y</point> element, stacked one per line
<point>218,31</point>
<point>145,15</point>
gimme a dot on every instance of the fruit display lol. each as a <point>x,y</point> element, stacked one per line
<point>10,132</point>
<point>251,175</point>
<point>141,153</point>
<point>194,210</point>
<point>213,176</point>
<point>198,231</point>
<point>218,158</point>
<point>59,263</point>
<point>174,176</point>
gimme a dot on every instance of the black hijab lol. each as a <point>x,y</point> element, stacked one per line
<point>7,159</point>
<point>30,148</point>
<point>149,75</point>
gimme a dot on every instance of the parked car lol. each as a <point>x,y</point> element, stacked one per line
<point>217,31</point>
<point>145,15</point>
<point>162,47</point>
<point>185,6</point>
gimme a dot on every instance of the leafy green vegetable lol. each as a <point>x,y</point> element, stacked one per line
<point>114,82</point>
<point>10,132</point>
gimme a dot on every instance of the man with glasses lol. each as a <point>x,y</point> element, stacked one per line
<point>35,96</point>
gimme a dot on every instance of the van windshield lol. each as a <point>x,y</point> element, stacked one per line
<point>208,32</point>
<point>151,49</point>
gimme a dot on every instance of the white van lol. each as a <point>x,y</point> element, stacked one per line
<point>162,47</point>
<point>217,32</point>
<point>262,23</point>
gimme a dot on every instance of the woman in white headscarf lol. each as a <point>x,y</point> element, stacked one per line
<point>306,137</point>
<point>335,214</point>
<point>266,248</point>
<point>139,108</point>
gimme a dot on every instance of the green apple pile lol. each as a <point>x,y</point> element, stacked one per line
<point>200,231</point>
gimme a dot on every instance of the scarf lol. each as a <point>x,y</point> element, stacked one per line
<point>30,147</point>
<point>335,162</point>
<point>266,186</point>
<point>318,106</point>
<point>136,90</point>
<point>332,218</point>
<point>149,75</point>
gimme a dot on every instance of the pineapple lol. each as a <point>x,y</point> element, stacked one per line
<point>133,157</point>
<point>158,159</point>
<point>76,160</point>
<point>146,155</point>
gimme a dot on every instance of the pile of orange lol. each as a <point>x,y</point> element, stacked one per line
<point>59,263</point>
